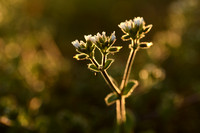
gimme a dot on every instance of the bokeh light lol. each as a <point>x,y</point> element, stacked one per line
<point>44,90</point>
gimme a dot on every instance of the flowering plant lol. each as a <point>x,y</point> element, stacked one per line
<point>134,30</point>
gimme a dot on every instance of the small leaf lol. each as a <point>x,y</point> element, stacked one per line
<point>132,84</point>
<point>147,28</point>
<point>114,49</point>
<point>125,37</point>
<point>111,98</point>
<point>81,56</point>
<point>145,45</point>
<point>108,63</point>
<point>93,68</point>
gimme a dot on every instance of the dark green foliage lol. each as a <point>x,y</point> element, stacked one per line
<point>44,90</point>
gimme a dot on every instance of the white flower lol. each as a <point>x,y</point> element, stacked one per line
<point>76,44</point>
<point>98,35</point>
<point>129,23</point>
<point>122,25</point>
<point>89,38</point>
<point>104,33</point>
<point>138,21</point>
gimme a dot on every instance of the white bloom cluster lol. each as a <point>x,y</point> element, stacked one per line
<point>103,38</point>
<point>138,21</point>
<point>100,37</point>
<point>78,44</point>
<point>81,44</point>
<point>90,38</point>
<point>134,29</point>
<point>131,24</point>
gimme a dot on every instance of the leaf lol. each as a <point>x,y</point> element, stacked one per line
<point>125,37</point>
<point>108,63</point>
<point>147,28</point>
<point>132,84</point>
<point>93,68</point>
<point>145,45</point>
<point>81,56</point>
<point>111,98</point>
<point>114,49</point>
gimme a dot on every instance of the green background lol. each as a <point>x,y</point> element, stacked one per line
<point>44,90</point>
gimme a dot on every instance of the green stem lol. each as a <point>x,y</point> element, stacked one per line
<point>109,82</point>
<point>120,110</point>
<point>129,65</point>
<point>106,77</point>
<point>104,57</point>
<point>120,104</point>
<point>94,62</point>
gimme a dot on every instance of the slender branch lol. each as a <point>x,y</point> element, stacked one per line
<point>123,109</point>
<point>104,57</point>
<point>118,112</point>
<point>129,65</point>
<point>109,82</point>
<point>94,62</point>
<point>106,77</point>
<point>120,104</point>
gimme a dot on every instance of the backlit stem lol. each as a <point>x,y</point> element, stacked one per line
<point>106,77</point>
<point>129,65</point>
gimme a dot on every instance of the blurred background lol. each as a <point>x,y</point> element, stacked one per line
<point>44,90</point>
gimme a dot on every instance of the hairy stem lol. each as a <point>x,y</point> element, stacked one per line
<point>120,110</point>
<point>94,62</point>
<point>120,104</point>
<point>104,57</point>
<point>109,82</point>
<point>107,78</point>
<point>129,65</point>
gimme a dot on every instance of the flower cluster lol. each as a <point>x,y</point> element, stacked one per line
<point>134,29</point>
<point>104,43</point>
<point>86,49</point>
<point>101,41</point>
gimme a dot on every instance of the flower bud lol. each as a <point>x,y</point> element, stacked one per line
<point>76,44</point>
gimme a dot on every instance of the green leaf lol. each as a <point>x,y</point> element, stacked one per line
<point>147,28</point>
<point>108,63</point>
<point>93,68</point>
<point>111,98</point>
<point>145,45</point>
<point>81,56</point>
<point>114,49</point>
<point>132,84</point>
<point>125,37</point>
